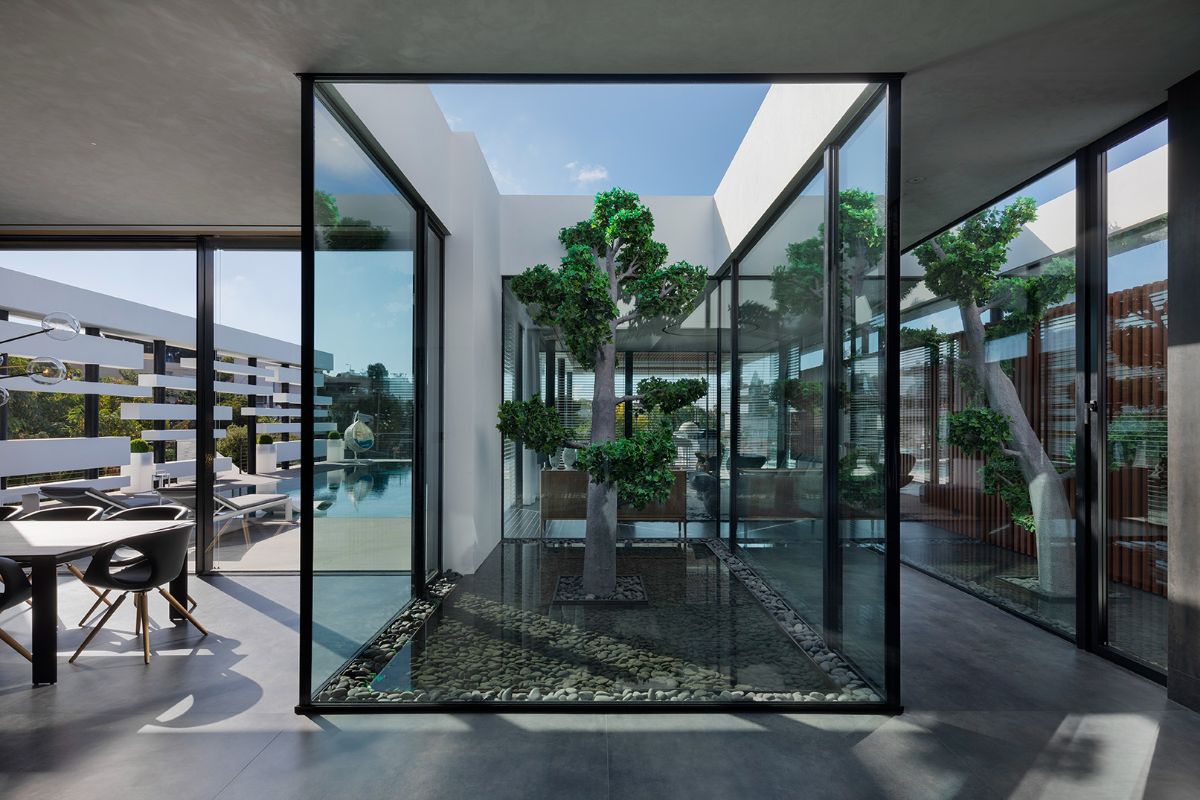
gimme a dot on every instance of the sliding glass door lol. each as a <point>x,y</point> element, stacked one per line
<point>1135,397</point>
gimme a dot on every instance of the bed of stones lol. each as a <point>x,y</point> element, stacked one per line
<point>630,589</point>
<point>852,686</point>
<point>473,663</point>
<point>352,683</point>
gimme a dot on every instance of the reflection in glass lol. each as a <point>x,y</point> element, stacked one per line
<point>861,369</point>
<point>1136,364</point>
<point>988,430</point>
<point>362,527</point>
<point>781,451</point>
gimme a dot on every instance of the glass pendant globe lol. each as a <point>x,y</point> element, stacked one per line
<point>46,371</point>
<point>60,325</point>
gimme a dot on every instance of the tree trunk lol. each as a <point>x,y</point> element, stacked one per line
<point>600,546</point>
<point>1051,511</point>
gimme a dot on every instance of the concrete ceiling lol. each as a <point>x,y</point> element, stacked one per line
<point>179,113</point>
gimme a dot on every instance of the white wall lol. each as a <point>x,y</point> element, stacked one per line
<point>789,127</point>
<point>529,226</point>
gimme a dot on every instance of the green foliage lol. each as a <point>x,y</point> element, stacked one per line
<point>971,255</point>
<point>139,446</point>
<point>798,286</point>
<point>325,209</point>
<point>1001,475</point>
<point>266,438</point>
<point>580,297</point>
<point>345,233</point>
<point>1138,432</point>
<point>334,436</point>
<point>234,444</point>
<point>639,466</point>
<point>670,396</point>
<point>978,431</point>
<point>533,423</point>
<point>799,394</point>
<point>861,481</point>
<point>984,432</point>
<point>862,237</point>
<point>921,337</point>
<point>1024,300</point>
<point>574,299</point>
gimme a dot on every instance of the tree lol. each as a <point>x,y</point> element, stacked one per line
<point>798,290</point>
<point>611,259</point>
<point>345,233</point>
<point>965,265</point>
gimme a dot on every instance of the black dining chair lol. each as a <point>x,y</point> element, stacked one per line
<point>17,590</point>
<point>163,557</point>
<point>165,513</point>
<point>66,514</point>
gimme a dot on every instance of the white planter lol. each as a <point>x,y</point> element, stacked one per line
<point>264,458</point>
<point>140,472</point>
<point>335,449</point>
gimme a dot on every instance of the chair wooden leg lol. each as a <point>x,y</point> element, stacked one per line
<point>137,607</point>
<point>102,599</point>
<point>246,530</point>
<point>15,645</point>
<point>74,570</point>
<point>92,635</point>
<point>192,602</point>
<point>179,607</point>
<point>145,626</point>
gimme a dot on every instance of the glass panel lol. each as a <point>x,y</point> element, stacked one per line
<point>780,463</point>
<point>724,295</point>
<point>1136,364</point>
<point>433,401</point>
<point>862,205</point>
<point>257,339</point>
<point>363,323</point>
<point>969,517</point>
<point>140,384</point>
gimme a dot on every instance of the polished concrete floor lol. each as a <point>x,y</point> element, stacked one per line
<point>995,708</point>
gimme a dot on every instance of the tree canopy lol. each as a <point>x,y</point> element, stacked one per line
<point>610,258</point>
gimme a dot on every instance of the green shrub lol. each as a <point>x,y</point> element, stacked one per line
<point>139,446</point>
<point>334,436</point>
<point>266,438</point>
<point>233,444</point>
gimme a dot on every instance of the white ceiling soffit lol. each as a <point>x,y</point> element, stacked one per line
<point>177,113</point>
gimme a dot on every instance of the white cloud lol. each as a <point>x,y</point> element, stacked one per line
<point>584,174</point>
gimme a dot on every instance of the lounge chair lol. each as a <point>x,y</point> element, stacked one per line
<point>229,509</point>
<point>84,496</point>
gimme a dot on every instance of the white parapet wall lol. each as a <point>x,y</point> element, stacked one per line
<point>80,350</point>
<point>37,456</point>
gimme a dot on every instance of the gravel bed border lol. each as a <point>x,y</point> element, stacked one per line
<point>568,589</point>
<point>352,683</point>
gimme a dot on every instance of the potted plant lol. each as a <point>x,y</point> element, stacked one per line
<point>141,466</point>
<point>335,450</point>
<point>264,453</point>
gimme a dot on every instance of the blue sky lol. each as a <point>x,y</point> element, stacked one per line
<point>582,138</point>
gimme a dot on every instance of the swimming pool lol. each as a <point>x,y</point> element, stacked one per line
<point>368,490</point>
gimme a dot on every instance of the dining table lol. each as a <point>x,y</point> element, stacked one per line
<point>43,545</point>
